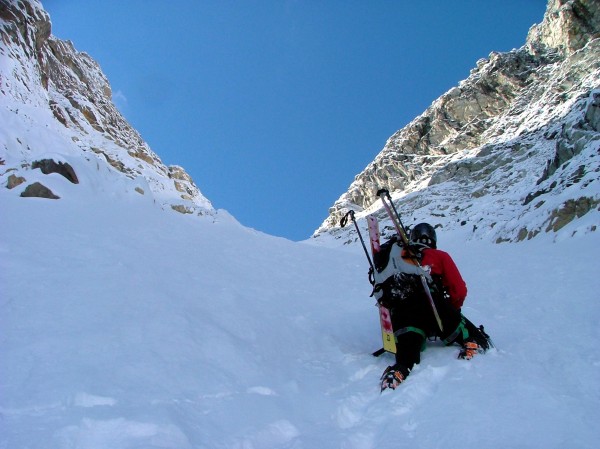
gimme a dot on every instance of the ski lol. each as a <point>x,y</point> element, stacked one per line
<point>374,234</point>
<point>385,318</point>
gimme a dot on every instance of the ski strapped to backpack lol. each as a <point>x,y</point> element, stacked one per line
<point>385,315</point>
<point>385,318</point>
<point>389,207</point>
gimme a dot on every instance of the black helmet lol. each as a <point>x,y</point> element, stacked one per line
<point>425,234</point>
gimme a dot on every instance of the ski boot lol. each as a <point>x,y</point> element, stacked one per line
<point>392,377</point>
<point>469,349</point>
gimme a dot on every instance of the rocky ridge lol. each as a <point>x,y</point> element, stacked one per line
<point>46,84</point>
<point>519,138</point>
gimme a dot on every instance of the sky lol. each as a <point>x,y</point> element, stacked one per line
<point>273,107</point>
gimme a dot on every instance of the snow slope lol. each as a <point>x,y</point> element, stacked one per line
<point>122,326</point>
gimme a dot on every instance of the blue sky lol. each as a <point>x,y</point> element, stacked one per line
<point>273,106</point>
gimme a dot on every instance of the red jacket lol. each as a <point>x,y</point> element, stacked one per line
<point>443,267</point>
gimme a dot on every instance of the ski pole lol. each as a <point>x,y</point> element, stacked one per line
<point>395,217</point>
<point>343,223</point>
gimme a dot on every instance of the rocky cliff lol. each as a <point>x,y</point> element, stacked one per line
<point>510,152</point>
<point>58,117</point>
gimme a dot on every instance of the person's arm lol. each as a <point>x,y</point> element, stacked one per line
<point>453,281</point>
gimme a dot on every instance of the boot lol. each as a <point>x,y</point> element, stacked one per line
<point>392,377</point>
<point>469,349</point>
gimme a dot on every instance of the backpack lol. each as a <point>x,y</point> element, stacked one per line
<point>397,276</point>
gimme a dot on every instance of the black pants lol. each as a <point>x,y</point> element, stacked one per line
<point>413,321</point>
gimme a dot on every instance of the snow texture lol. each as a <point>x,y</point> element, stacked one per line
<point>123,326</point>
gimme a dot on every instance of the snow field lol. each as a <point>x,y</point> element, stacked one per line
<point>124,326</point>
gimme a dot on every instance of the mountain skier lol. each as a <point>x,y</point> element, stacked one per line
<point>411,314</point>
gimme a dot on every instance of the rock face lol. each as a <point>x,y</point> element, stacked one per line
<point>38,190</point>
<point>513,137</point>
<point>45,83</point>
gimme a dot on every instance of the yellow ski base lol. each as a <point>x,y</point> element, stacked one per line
<point>387,331</point>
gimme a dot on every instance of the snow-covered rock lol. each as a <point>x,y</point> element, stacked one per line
<point>519,139</point>
<point>56,105</point>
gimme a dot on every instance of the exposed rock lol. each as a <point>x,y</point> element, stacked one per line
<point>570,210</point>
<point>14,181</point>
<point>38,190</point>
<point>573,139</point>
<point>528,119</point>
<point>592,115</point>
<point>39,71</point>
<point>183,182</point>
<point>568,26</point>
<point>48,166</point>
<point>181,209</point>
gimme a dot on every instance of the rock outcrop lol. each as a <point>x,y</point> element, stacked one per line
<point>45,83</point>
<point>523,123</point>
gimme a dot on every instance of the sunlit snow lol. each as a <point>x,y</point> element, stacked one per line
<point>123,326</point>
